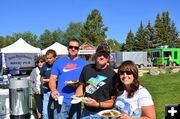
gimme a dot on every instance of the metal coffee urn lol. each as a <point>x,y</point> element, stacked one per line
<point>19,98</point>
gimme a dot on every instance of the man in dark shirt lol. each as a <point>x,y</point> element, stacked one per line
<point>45,73</point>
<point>96,84</point>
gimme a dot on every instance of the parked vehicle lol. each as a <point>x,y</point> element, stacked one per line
<point>160,56</point>
<point>138,57</point>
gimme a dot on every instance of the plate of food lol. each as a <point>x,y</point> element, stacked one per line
<point>110,113</point>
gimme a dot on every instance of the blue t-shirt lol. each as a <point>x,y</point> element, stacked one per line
<point>66,70</point>
<point>45,71</point>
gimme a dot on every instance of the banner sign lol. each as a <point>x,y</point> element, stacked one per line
<point>113,57</point>
<point>20,60</point>
<point>87,49</point>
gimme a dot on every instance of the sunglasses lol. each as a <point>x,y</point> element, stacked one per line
<point>40,62</point>
<point>102,54</point>
<point>127,72</point>
<point>75,47</point>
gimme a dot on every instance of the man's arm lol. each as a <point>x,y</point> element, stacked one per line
<point>42,79</point>
<point>52,82</point>
<point>105,104</point>
<point>52,85</point>
<point>80,90</point>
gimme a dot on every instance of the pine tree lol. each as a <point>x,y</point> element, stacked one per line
<point>129,46</point>
<point>140,39</point>
<point>150,35</point>
<point>158,31</point>
<point>173,37</point>
<point>93,30</point>
<point>178,43</point>
<point>165,30</point>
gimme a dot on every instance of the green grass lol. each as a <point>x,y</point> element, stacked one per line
<point>164,88</point>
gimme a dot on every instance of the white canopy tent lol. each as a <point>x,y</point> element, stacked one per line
<point>59,48</point>
<point>20,46</point>
<point>19,54</point>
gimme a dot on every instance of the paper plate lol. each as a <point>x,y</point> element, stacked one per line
<point>47,80</point>
<point>71,82</point>
<point>109,113</point>
<point>75,101</point>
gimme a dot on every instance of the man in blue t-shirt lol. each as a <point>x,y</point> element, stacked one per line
<point>67,68</point>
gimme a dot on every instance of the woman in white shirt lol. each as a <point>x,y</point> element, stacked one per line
<point>133,100</point>
<point>36,85</point>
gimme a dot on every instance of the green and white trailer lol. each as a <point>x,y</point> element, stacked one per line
<point>160,56</point>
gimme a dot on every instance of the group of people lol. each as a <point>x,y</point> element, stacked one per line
<point>101,86</point>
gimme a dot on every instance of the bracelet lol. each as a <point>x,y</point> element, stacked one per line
<point>99,104</point>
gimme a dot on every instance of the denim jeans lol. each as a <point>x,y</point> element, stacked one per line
<point>91,115</point>
<point>67,111</point>
<point>47,101</point>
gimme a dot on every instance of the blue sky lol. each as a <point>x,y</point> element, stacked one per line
<point>118,15</point>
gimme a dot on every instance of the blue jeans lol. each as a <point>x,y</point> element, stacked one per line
<point>91,115</point>
<point>47,101</point>
<point>67,111</point>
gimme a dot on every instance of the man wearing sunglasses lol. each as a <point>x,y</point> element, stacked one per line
<point>67,68</point>
<point>96,84</point>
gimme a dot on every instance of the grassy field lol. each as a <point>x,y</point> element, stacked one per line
<point>164,88</point>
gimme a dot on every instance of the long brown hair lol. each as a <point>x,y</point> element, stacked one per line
<point>119,86</point>
<point>40,58</point>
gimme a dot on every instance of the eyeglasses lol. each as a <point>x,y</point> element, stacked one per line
<point>75,47</point>
<point>127,72</point>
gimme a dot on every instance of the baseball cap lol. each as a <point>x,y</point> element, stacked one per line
<point>103,48</point>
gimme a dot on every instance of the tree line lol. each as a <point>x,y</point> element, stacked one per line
<point>93,32</point>
<point>162,33</point>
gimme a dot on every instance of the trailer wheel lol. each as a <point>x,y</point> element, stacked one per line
<point>141,66</point>
<point>137,66</point>
<point>173,64</point>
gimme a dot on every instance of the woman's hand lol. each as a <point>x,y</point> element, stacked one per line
<point>124,116</point>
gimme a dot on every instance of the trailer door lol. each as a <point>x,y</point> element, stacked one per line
<point>166,56</point>
<point>156,57</point>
